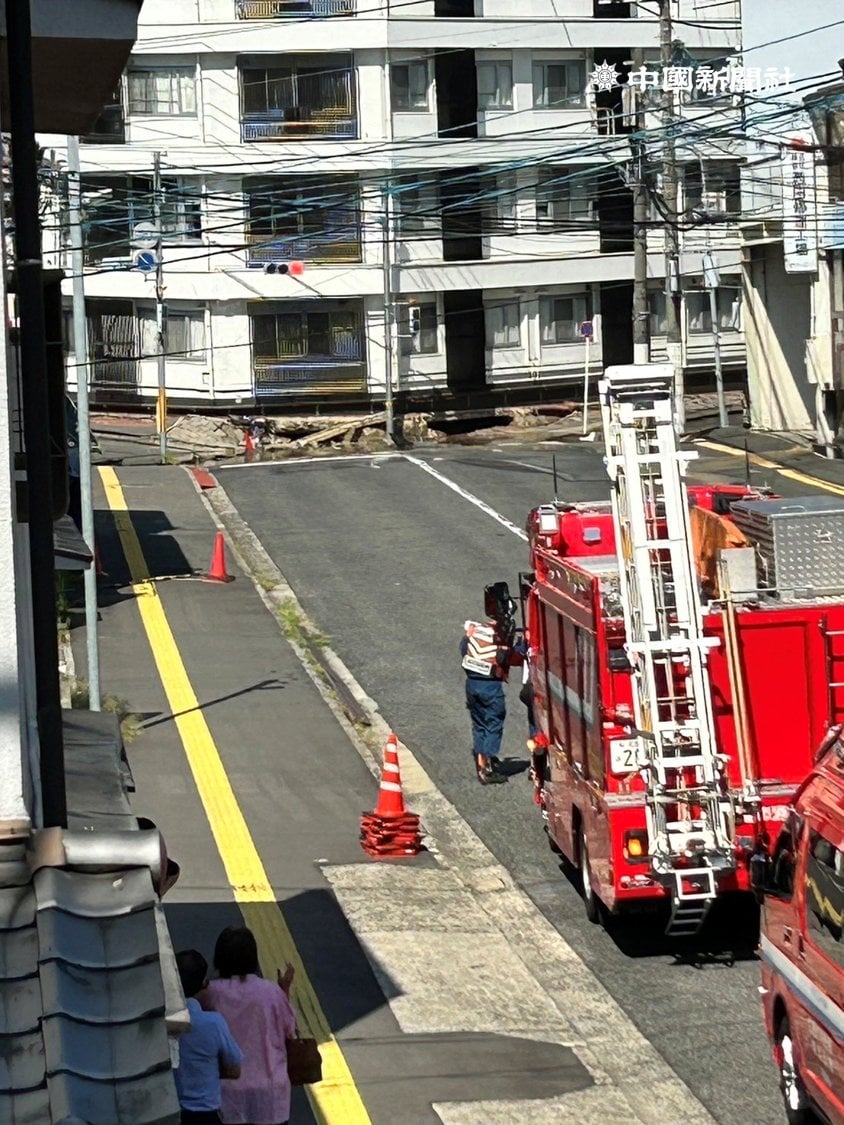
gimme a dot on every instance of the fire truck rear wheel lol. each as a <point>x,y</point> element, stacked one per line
<point>590,899</point>
<point>797,1108</point>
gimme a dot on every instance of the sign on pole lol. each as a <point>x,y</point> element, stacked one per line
<point>799,216</point>
<point>145,260</point>
<point>145,236</point>
<point>586,329</point>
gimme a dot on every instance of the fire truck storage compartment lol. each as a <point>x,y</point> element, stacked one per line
<point>799,542</point>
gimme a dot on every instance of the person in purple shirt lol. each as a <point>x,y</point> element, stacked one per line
<point>207,1052</point>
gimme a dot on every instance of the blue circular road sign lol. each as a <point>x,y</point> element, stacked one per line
<point>145,260</point>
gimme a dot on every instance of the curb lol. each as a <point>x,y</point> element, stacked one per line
<point>649,1086</point>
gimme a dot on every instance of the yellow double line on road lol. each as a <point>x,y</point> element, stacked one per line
<point>764,463</point>
<point>336,1100</point>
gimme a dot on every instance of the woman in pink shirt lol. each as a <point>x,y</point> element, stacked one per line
<point>261,1019</point>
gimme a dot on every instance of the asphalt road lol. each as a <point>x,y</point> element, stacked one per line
<point>389,561</point>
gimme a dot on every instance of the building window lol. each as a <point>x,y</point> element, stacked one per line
<point>712,187</point>
<point>722,188</point>
<point>68,337</point>
<point>114,206</point>
<point>184,335</point>
<point>495,85</point>
<point>505,212</point>
<point>312,95</point>
<point>503,325</point>
<point>162,93</point>
<point>409,87</point>
<point>728,299</point>
<point>563,198</point>
<point>560,318</point>
<point>109,128</point>
<point>657,316</point>
<point>558,85</point>
<point>316,218</point>
<point>181,212</point>
<point>425,341</point>
<point>710,82</point>
<point>317,335</point>
<point>416,208</point>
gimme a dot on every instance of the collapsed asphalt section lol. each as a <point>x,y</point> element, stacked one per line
<point>465,945</point>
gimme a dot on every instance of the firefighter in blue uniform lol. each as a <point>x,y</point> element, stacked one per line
<point>488,654</point>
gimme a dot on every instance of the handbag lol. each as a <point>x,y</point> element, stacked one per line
<point>304,1062</point>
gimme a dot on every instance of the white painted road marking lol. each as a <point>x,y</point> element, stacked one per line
<point>326,460</point>
<point>470,496</point>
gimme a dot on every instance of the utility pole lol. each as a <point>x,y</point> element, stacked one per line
<point>387,254</point>
<point>673,290</point>
<point>161,405</point>
<point>712,281</point>
<point>641,322</point>
<point>80,337</point>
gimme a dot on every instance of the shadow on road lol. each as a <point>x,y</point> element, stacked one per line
<point>400,1076</point>
<point>262,685</point>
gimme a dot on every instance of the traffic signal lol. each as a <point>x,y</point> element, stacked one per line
<point>414,319</point>
<point>295,269</point>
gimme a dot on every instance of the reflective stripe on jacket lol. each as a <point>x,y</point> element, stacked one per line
<point>482,651</point>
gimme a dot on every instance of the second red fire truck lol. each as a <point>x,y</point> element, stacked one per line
<point>687,659</point>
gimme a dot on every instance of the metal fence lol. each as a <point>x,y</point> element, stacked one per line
<point>303,121</point>
<point>274,379</point>
<point>274,9</point>
<point>263,249</point>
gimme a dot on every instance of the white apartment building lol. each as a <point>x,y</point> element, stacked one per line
<point>462,137</point>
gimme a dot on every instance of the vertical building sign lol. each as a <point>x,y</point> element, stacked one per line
<point>799,217</point>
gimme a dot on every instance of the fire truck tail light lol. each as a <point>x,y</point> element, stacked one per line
<point>635,845</point>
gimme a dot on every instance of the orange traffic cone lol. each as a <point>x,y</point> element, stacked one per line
<point>390,795</point>
<point>390,830</point>
<point>248,446</point>
<point>217,571</point>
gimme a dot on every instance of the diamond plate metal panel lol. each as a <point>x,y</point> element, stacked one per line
<point>799,543</point>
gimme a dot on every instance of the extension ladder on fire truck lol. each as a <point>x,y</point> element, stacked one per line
<point>688,814</point>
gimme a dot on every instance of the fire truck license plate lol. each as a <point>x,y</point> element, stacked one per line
<point>623,753</point>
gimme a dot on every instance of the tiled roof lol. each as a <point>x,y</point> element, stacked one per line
<point>82,1000</point>
<point>88,981</point>
<point>97,773</point>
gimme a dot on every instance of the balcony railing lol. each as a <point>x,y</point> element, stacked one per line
<point>301,121</point>
<point>321,248</point>
<point>278,9</point>
<point>277,377</point>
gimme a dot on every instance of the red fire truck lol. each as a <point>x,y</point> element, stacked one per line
<point>686,656</point>
<point>802,945</point>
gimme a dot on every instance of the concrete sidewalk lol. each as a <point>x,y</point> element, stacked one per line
<point>449,995</point>
<point>789,452</point>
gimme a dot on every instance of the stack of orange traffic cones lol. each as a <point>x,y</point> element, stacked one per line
<point>390,830</point>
